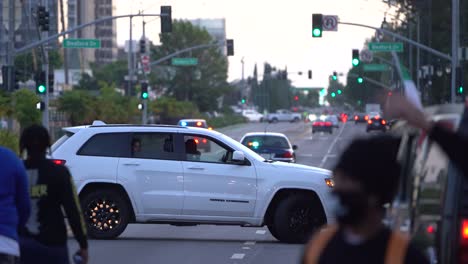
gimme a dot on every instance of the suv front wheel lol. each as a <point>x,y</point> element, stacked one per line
<point>296,218</point>
<point>106,213</point>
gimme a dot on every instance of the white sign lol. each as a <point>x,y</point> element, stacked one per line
<point>330,23</point>
<point>366,55</point>
<point>145,59</point>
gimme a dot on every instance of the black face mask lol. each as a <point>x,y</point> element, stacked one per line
<point>352,207</point>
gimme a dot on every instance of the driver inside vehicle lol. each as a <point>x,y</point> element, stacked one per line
<point>191,150</point>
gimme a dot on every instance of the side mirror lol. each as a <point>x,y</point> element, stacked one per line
<point>295,147</point>
<point>238,156</point>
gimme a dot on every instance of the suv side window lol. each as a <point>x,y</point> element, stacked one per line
<point>204,149</point>
<point>153,146</point>
<point>106,145</point>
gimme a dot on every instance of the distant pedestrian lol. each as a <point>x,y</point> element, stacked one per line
<point>366,177</point>
<point>14,204</point>
<point>44,239</point>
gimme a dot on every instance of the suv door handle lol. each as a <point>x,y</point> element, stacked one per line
<point>196,168</point>
<point>131,164</point>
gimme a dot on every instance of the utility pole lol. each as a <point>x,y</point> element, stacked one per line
<point>45,68</point>
<point>130,60</point>
<point>455,46</point>
<point>65,51</point>
<point>145,101</point>
<point>10,56</point>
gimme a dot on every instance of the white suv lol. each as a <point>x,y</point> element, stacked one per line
<point>158,174</point>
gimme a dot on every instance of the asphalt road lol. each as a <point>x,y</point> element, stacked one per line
<point>167,244</point>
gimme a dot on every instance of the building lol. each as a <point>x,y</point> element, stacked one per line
<point>26,31</point>
<point>84,11</point>
<point>215,27</point>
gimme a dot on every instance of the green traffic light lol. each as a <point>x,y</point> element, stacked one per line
<point>41,89</point>
<point>333,94</point>
<point>334,78</point>
<point>316,32</point>
<point>360,80</point>
<point>460,89</point>
<point>243,101</point>
<point>144,95</point>
<point>355,62</point>
<point>339,91</point>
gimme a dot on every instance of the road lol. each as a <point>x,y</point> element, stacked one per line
<point>223,244</point>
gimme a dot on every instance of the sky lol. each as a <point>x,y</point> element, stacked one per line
<point>274,31</point>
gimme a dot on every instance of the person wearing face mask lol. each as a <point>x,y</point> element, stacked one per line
<point>366,177</point>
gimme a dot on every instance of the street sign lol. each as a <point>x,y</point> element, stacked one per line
<point>184,61</point>
<point>375,67</point>
<point>82,43</point>
<point>145,59</point>
<point>386,46</point>
<point>366,55</point>
<point>330,23</point>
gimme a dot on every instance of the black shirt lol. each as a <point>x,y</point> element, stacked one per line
<point>51,189</point>
<point>371,251</point>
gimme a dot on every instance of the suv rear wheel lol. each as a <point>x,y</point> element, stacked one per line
<point>296,218</point>
<point>106,213</point>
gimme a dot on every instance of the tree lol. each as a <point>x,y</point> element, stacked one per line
<point>113,107</point>
<point>113,72</point>
<point>78,105</point>
<point>170,110</point>
<point>28,64</point>
<point>87,83</point>
<point>25,108</point>
<point>203,83</point>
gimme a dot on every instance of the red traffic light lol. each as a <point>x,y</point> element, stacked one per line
<point>296,98</point>
<point>389,93</point>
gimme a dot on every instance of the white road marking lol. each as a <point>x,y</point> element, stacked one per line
<point>250,243</point>
<point>260,232</point>
<point>245,247</point>
<point>238,256</point>
<point>332,146</point>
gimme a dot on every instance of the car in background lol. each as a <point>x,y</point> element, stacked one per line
<point>201,123</point>
<point>373,114</point>
<point>271,146</point>
<point>252,115</point>
<point>165,179</point>
<point>376,123</point>
<point>334,120</point>
<point>322,126</point>
<point>283,115</point>
<point>360,118</point>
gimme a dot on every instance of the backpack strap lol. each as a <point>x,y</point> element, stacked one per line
<point>396,248</point>
<point>318,243</point>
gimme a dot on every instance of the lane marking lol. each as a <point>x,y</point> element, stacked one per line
<point>245,247</point>
<point>260,232</point>
<point>332,146</point>
<point>238,256</point>
<point>250,243</point>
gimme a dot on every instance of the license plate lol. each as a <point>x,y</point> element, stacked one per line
<point>266,155</point>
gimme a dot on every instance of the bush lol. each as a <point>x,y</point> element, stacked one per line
<point>9,140</point>
<point>226,120</point>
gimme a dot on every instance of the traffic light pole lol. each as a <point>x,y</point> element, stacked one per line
<point>201,46</point>
<point>371,81</point>
<point>10,56</point>
<point>144,116</point>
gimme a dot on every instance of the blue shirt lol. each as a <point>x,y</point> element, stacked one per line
<point>14,194</point>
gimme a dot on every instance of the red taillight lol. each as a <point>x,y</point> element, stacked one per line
<point>430,229</point>
<point>366,117</point>
<point>287,155</point>
<point>384,122</point>
<point>369,122</point>
<point>463,250</point>
<point>59,161</point>
<point>197,141</point>
<point>204,141</point>
<point>356,117</point>
<point>464,231</point>
<point>328,124</point>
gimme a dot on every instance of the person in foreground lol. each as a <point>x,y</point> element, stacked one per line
<point>14,204</point>
<point>366,177</point>
<point>454,144</point>
<point>44,238</point>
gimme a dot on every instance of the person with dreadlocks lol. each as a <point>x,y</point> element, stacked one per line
<point>44,237</point>
<point>14,204</point>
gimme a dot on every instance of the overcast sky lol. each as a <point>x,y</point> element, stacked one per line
<point>274,31</point>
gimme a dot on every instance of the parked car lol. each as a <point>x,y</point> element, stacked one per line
<point>283,115</point>
<point>166,178</point>
<point>252,115</point>
<point>271,146</point>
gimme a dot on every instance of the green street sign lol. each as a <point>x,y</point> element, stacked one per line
<point>82,43</point>
<point>376,67</point>
<point>184,61</point>
<point>386,46</point>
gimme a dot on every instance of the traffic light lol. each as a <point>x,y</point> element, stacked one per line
<point>51,82</point>
<point>339,91</point>
<point>296,98</point>
<point>144,90</point>
<point>360,80</point>
<point>317,23</point>
<point>16,78</point>
<point>333,94</point>
<point>459,81</point>
<point>142,46</point>
<point>356,61</point>
<point>10,77</point>
<point>40,106</point>
<point>310,74</point>
<point>42,18</point>
<point>40,79</point>
<point>335,76</point>
<point>322,92</point>
<point>230,47</point>
<point>243,101</point>
<point>166,19</point>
